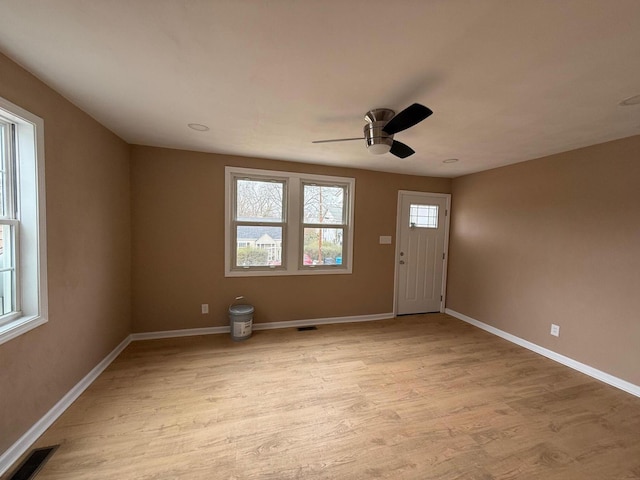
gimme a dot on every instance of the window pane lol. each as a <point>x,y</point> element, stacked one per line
<point>6,287</point>
<point>7,271</point>
<point>3,190</point>
<point>423,216</point>
<point>4,139</point>
<point>258,200</point>
<point>6,254</point>
<point>323,204</point>
<point>258,246</point>
<point>323,246</point>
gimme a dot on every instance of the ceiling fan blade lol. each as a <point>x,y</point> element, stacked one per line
<point>338,140</point>
<point>401,150</point>
<point>407,118</point>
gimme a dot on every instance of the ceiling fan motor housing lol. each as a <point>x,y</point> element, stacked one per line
<point>378,142</point>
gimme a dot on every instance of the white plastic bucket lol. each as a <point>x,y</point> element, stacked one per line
<point>241,321</point>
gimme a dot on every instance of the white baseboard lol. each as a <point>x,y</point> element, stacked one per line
<point>187,332</point>
<point>8,458</point>
<point>569,362</point>
<point>322,321</point>
<point>261,326</point>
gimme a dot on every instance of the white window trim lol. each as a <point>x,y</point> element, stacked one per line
<point>231,229</point>
<point>292,265</point>
<point>32,267</point>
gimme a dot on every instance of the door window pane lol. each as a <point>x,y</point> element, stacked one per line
<point>423,216</point>
<point>323,246</point>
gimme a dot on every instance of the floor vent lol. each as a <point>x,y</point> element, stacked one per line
<point>304,329</point>
<point>33,463</point>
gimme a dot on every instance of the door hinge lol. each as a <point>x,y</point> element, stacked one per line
<point>440,297</point>
<point>446,212</point>
<point>443,256</point>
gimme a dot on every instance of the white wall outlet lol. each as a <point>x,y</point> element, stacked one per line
<point>555,330</point>
<point>385,239</point>
<point>205,308</point>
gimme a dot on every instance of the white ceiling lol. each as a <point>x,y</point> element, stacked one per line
<point>508,80</point>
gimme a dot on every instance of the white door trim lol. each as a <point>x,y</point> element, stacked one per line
<point>446,196</point>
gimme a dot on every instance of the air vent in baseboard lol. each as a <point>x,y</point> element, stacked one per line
<point>33,463</point>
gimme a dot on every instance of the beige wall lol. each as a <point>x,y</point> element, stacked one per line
<point>178,245</point>
<point>88,248</point>
<point>555,240</point>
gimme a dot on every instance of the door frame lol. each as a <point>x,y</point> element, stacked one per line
<point>447,220</point>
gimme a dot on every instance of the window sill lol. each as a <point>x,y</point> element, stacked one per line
<point>20,325</point>
<point>291,273</point>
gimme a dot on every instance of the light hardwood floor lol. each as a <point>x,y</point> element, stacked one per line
<point>423,397</point>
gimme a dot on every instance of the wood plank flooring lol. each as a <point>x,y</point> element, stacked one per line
<point>422,397</point>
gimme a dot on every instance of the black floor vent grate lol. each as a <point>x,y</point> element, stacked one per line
<point>33,463</point>
<point>304,329</point>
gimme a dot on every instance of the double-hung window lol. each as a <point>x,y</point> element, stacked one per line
<point>258,222</point>
<point>324,223</point>
<point>23,266</point>
<point>284,223</point>
<point>9,223</point>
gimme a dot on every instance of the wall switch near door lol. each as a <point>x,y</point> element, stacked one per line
<point>385,240</point>
<point>205,308</point>
<point>555,330</point>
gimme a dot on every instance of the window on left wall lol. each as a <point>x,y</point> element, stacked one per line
<point>23,265</point>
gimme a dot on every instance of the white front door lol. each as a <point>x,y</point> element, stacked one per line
<point>422,235</point>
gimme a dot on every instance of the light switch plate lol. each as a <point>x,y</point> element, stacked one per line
<point>385,240</point>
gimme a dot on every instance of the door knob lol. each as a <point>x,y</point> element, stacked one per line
<point>401,262</point>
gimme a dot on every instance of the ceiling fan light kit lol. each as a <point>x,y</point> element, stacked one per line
<point>378,141</point>
<point>383,124</point>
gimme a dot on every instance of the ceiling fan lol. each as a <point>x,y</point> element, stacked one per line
<point>383,124</point>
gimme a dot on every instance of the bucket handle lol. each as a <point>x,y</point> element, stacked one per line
<point>235,302</point>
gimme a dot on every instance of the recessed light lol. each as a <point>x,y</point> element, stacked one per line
<point>635,100</point>
<point>198,126</point>
<point>450,160</point>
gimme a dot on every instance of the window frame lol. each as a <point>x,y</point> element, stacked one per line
<point>235,223</point>
<point>429,216</point>
<point>28,217</point>
<point>9,218</point>
<point>292,237</point>
<point>343,225</point>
